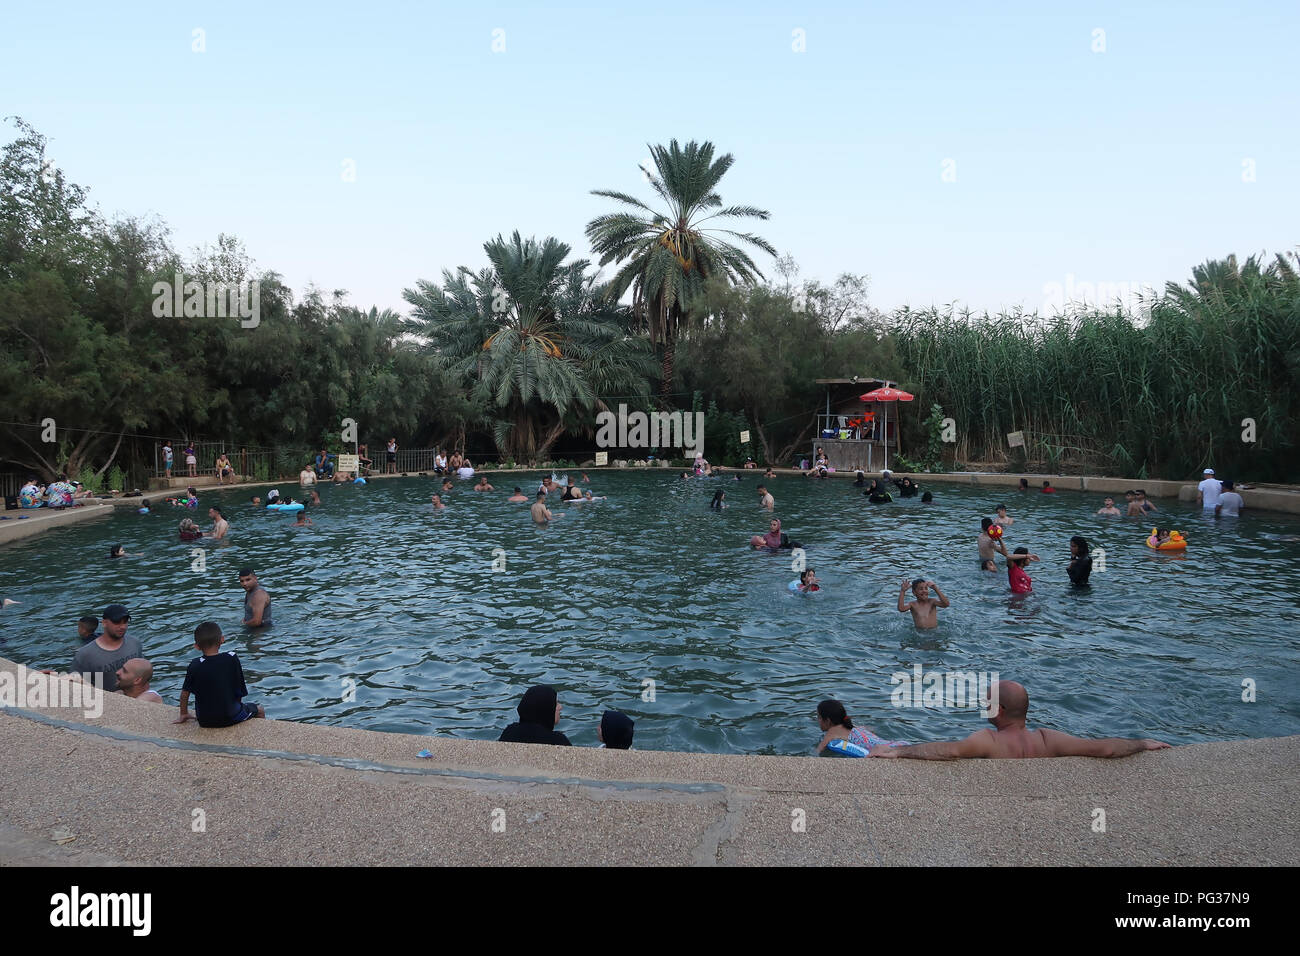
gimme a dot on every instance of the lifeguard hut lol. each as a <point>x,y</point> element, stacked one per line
<point>854,434</point>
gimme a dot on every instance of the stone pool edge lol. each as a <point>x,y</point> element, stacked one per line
<point>1223,803</point>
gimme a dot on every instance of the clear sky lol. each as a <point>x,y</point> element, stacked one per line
<point>1122,157</point>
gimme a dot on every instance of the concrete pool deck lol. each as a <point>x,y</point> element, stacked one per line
<point>124,788</point>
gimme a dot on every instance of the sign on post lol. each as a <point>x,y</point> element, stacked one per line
<point>602,458</point>
<point>744,437</point>
<point>1016,439</point>
<point>350,463</point>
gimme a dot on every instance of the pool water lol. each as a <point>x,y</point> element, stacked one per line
<point>442,620</point>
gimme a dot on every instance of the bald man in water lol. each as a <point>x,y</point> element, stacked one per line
<point>1011,739</point>
<point>133,679</point>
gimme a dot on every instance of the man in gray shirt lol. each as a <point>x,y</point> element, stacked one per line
<point>108,652</point>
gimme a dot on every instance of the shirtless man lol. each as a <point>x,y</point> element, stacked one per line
<point>447,484</point>
<point>541,513</point>
<point>988,544</point>
<point>925,609</point>
<point>437,503</point>
<point>483,485</point>
<point>1003,518</point>
<point>133,680</point>
<point>219,525</point>
<point>1011,739</point>
<point>1108,509</point>
<point>765,499</point>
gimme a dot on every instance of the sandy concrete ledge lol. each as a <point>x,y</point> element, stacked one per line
<point>27,522</point>
<point>301,794</point>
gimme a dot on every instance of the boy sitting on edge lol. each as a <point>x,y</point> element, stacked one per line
<point>217,682</point>
<point>925,609</point>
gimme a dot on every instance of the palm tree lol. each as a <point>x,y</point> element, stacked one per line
<point>536,340</point>
<point>666,257</point>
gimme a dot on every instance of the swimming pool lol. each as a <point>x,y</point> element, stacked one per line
<point>651,585</point>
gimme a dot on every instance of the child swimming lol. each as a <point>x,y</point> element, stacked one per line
<point>1002,517</point>
<point>836,725</point>
<point>925,609</point>
<point>717,504</point>
<point>808,581</point>
<point>1021,583</point>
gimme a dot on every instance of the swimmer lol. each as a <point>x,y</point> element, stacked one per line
<point>989,565</point>
<point>447,485</point>
<point>988,543</point>
<point>315,498</point>
<point>1134,507</point>
<point>1020,581</point>
<point>571,492</point>
<point>1010,738</point>
<point>303,520</point>
<point>927,498</point>
<point>483,485</point>
<point>765,499</point>
<point>808,582</point>
<point>771,540</point>
<point>836,725</point>
<point>541,513</point>
<point>685,475</point>
<point>437,503</point>
<point>717,504</point>
<point>1024,484</point>
<point>1002,517</point>
<point>585,479</point>
<point>925,609</point>
<point>1080,568</point>
<point>1048,489</point>
<point>219,525</point>
<point>517,497</point>
<point>1146,506</point>
<point>144,507</point>
<point>1160,537</point>
<point>590,497</point>
<point>769,473</point>
<point>1108,509</point>
<point>859,479</point>
<point>117,551</point>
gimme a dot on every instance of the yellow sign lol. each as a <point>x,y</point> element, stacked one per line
<point>349,463</point>
<point>744,438</point>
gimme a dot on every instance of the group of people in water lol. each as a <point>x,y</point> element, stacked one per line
<point>540,710</point>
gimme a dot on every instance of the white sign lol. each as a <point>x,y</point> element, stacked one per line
<point>744,438</point>
<point>602,458</point>
<point>349,463</point>
<point>1016,439</point>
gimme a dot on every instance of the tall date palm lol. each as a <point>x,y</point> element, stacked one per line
<point>536,340</point>
<point>666,256</point>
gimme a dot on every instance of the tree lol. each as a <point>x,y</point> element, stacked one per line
<point>667,257</point>
<point>535,340</point>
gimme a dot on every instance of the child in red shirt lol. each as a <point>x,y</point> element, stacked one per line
<point>1020,581</point>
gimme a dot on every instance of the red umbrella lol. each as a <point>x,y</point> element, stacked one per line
<point>886,394</point>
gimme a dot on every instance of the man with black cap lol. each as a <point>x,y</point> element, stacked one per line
<point>108,652</point>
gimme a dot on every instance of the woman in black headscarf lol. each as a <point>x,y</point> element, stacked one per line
<point>538,713</point>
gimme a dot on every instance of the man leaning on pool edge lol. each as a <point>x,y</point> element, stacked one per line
<point>1010,739</point>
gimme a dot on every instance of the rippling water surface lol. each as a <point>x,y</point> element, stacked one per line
<point>652,585</point>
